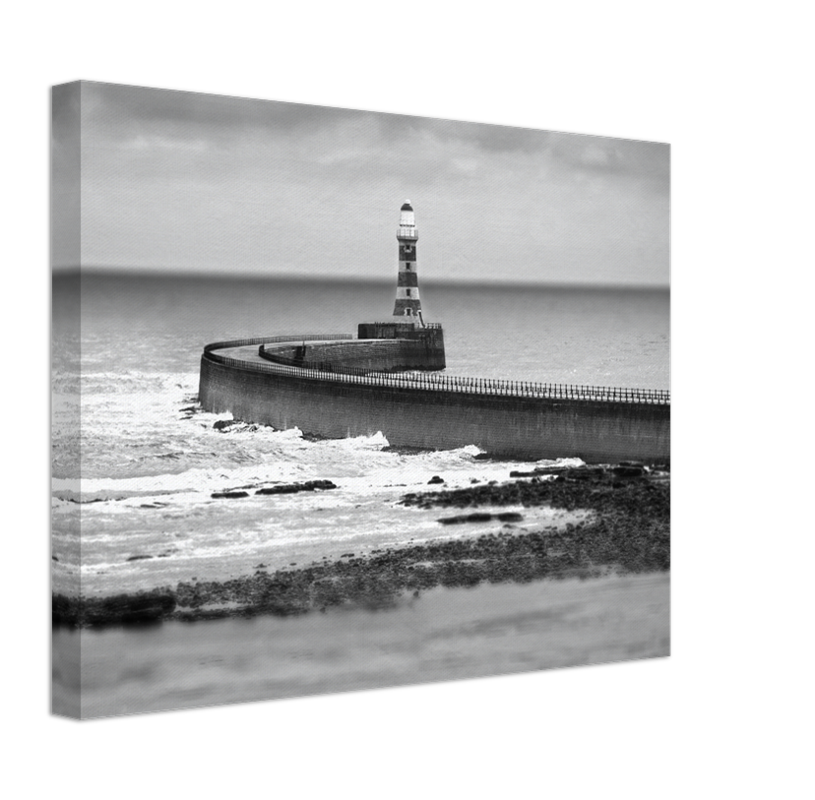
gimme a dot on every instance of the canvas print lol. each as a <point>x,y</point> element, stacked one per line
<point>348,400</point>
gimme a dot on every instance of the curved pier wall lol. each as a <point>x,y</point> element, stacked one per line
<point>425,345</point>
<point>382,355</point>
<point>512,427</point>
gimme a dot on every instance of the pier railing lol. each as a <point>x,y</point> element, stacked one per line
<point>308,337</point>
<point>429,381</point>
<point>408,320</point>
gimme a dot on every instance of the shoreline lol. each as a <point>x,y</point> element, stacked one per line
<point>627,533</point>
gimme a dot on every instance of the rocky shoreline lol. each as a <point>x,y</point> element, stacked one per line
<point>627,532</point>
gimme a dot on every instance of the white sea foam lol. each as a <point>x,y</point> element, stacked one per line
<point>359,463</point>
<point>560,462</point>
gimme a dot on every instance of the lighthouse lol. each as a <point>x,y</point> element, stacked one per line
<point>407,302</point>
<point>407,342</point>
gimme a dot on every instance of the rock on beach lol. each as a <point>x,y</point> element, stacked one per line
<point>628,532</point>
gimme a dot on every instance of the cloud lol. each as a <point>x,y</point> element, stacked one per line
<point>142,142</point>
<point>594,156</point>
<point>484,137</point>
<point>582,155</point>
<point>131,116</point>
<point>117,112</point>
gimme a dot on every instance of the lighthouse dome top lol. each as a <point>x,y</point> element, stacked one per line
<point>406,206</point>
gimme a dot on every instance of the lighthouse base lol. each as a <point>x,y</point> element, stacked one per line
<point>419,347</point>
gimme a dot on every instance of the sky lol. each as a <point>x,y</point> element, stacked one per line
<point>187,182</point>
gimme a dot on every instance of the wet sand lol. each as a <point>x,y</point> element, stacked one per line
<point>445,634</point>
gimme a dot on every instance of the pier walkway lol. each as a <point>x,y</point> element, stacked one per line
<point>246,354</point>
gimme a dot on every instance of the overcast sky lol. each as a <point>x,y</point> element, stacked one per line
<point>205,183</point>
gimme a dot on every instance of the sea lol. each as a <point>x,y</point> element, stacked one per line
<point>136,478</point>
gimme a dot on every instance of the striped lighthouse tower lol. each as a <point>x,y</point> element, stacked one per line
<point>407,287</point>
